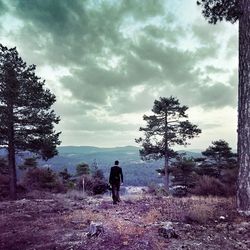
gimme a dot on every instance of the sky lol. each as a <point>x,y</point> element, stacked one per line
<point>108,60</point>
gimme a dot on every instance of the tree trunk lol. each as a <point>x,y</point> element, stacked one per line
<point>11,151</point>
<point>243,191</point>
<point>166,157</point>
<point>12,170</point>
<point>12,86</point>
<point>166,173</point>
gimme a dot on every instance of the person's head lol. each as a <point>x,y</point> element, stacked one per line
<point>116,162</point>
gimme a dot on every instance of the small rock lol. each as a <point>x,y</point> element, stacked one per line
<point>95,229</point>
<point>167,230</point>
<point>222,217</point>
<point>125,243</point>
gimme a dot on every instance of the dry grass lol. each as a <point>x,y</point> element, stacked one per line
<point>129,230</point>
<point>75,195</point>
<point>132,224</point>
<point>85,216</point>
<point>201,213</point>
<point>201,209</point>
<point>151,216</point>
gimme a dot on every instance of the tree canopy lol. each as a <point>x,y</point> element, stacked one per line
<point>221,154</point>
<point>168,126</point>
<point>27,120</point>
<point>217,10</point>
<point>82,169</point>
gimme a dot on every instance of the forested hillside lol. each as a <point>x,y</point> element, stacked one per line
<point>136,172</point>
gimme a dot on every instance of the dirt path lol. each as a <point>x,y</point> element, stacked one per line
<point>58,222</point>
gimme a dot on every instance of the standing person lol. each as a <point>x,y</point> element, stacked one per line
<point>115,180</point>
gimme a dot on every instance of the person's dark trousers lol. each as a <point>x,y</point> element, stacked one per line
<point>115,192</point>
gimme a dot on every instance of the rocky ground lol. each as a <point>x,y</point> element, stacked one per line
<point>63,222</point>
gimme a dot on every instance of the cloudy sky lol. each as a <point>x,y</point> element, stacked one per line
<point>108,60</point>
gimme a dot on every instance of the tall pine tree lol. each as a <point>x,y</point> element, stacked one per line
<point>27,120</point>
<point>233,10</point>
<point>167,127</point>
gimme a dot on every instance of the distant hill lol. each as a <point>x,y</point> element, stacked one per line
<point>136,172</point>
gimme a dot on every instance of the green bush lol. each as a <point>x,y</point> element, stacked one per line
<point>42,179</point>
<point>207,185</point>
<point>92,185</point>
<point>82,169</point>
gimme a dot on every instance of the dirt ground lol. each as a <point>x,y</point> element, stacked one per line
<point>47,221</point>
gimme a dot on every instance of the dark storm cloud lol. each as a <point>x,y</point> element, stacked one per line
<point>72,109</point>
<point>84,37</point>
<point>96,84</point>
<point>207,93</point>
<point>73,29</point>
<point>176,65</point>
<point>68,29</point>
<point>216,96</point>
<point>3,7</point>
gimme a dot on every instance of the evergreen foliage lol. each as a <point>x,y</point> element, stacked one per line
<point>217,10</point>
<point>208,185</point>
<point>42,179</point>
<point>168,126</point>
<point>221,155</point>
<point>94,181</point>
<point>27,120</point>
<point>82,169</point>
<point>184,172</point>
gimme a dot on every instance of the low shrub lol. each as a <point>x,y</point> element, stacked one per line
<point>201,213</point>
<point>207,185</point>
<point>229,178</point>
<point>93,186</point>
<point>42,179</point>
<point>155,189</point>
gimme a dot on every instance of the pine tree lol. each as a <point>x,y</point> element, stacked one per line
<point>167,127</point>
<point>220,154</point>
<point>233,10</point>
<point>27,121</point>
<point>82,169</point>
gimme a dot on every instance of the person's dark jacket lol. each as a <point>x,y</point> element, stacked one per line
<point>116,176</point>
